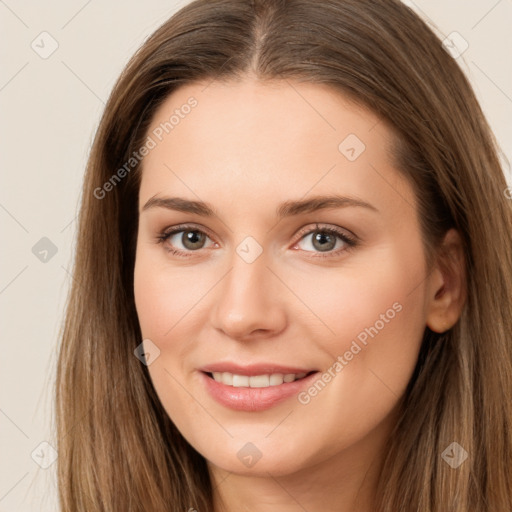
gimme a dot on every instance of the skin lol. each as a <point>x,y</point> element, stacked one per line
<point>246,148</point>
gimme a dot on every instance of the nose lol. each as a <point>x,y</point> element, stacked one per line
<point>249,301</point>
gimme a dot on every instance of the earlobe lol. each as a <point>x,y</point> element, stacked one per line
<point>446,290</point>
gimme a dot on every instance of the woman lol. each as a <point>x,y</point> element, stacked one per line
<point>293,273</point>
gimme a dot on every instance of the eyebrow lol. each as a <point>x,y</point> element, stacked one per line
<point>286,209</point>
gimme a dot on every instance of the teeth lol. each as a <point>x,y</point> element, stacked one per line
<point>256,381</point>
<point>276,379</point>
<point>240,381</point>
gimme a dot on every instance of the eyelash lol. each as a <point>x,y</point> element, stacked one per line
<point>350,241</point>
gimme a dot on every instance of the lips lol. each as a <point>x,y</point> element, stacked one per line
<point>243,395</point>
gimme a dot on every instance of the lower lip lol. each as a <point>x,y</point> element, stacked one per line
<point>253,399</point>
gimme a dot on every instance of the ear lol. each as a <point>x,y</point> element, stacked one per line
<point>446,290</point>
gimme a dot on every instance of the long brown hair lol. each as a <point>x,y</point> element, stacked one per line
<point>118,449</point>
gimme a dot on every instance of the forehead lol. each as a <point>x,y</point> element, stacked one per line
<point>250,140</point>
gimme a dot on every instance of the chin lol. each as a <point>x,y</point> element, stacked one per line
<point>258,459</point>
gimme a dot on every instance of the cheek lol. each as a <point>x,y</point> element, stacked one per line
<point>165,302</point>
<point>153,303</point>
<point>163,295</point>
<point>172,307</point>
<point>373,318</point>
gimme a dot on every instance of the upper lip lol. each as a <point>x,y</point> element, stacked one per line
<point>253,369</point>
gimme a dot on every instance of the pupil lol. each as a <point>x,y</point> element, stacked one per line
<point>192,239</point>
<point>322,237</point>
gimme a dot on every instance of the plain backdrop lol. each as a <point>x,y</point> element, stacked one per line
<point>59,61</point>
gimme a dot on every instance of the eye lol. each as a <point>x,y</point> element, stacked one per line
<point>325,240</point>
<point>183,239</point>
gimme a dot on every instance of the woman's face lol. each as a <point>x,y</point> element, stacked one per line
<point>299,250</point>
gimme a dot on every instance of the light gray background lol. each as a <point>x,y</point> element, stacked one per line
<point>50,108</point>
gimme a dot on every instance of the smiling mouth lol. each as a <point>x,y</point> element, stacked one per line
<point>256,381</point>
